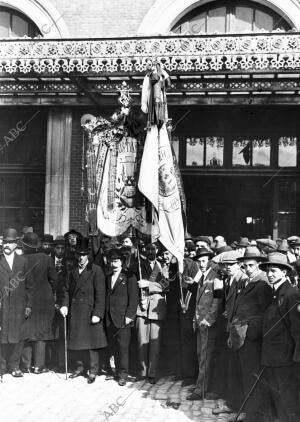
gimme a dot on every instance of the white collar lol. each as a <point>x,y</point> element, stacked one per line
<point>10,259</point>
<point>278,284</point>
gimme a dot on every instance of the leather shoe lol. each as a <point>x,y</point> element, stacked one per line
<point>17,373</point>
<point>37,370</point>
<point>194,396</point>
<point>91,379</point>
<point>152,380</point>
<point>187,381</point>
<point>75,374</point>
<point>191,389</point>
<point>122,382</point>
<point>109,377</point>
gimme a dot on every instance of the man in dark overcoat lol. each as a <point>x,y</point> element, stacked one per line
<point>83,300</point>
<point>16,292</point>
<point>245,332</point>
<point>40,327</point>
<point>281,339</point>
<point>121,307</point>
<point>207,311</point>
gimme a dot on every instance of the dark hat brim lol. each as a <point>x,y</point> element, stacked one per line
<point>37,246</point>
<point>10,239</point>
<point>255,257</point>
<point>208,253</point>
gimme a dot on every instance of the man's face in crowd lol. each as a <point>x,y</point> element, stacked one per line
<point>82,259</point>
<point>231,268</point>
<point>275,274</point>
<point>47,247</point>
<point>105,244</point>
<point>115,264</point>
<point>72,239</point>
<point>59,251</point>
<point>203,263</point>
<point>202,244</point>
<point>296,250</point>
<point>250,266</point>
<point>9,247</point>
<point>167,256</point>
<point>127,242</point>
<point>151,252</point>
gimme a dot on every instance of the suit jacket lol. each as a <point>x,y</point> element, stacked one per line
<point>122,299</point>
<point>231,293</point>
<point>156,306</point>
<point>207,306</point>
<point>251,304</point>
<point>281,327</point>
<point>84,295</point>
<point>16,290</point>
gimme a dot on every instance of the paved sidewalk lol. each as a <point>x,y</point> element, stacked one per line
<point>49,397</point>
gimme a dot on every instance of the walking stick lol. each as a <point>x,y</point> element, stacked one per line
<point>66,349</point>
<point>249,394</point>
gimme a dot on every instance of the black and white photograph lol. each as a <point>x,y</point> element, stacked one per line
<point>150,210</point>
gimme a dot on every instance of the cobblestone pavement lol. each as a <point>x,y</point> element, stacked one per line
<point>49,397</point>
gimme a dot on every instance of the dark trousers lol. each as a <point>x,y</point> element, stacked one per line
<point>118,343</point>
<point>86,359</point>
<point>188,346</point>
<point>38,350</point>
<point>206,340</point>
<point>149,336</point>
<point>283,388</point>
<point>10,356</point>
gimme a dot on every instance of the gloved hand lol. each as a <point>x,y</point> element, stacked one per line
<point>95,319</point>
<point>128,321</point>
<point>143,283</point>
<point>27,312</point>
<point>64,311</point>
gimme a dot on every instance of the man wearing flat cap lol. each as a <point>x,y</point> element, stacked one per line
<point>83,302</point>
<point>16,290</point>
<point>281,339</point>
<point>245,330</point>
<point>206,313</point>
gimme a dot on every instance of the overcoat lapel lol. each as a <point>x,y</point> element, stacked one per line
<point>118,281</point>
<point>202,288</point>
<point>5,266</point>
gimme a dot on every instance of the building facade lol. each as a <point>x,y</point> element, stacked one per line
<point>234,101</point>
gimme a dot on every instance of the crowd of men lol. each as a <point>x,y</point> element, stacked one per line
<point>235,311</point>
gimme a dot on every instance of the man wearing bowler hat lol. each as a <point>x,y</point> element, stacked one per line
<point>83,300</point>
<point>39,328</point>
<point>206,313</point>
<point>16,291</point>
<point>245,330</point>
<point>281,339</point>
<point>121,307</point>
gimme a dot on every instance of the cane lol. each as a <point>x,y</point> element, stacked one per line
<point>205,361</point>
<point>66,346</point>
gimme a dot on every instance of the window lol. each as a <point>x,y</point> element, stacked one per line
<point>287,151</point>
<point>208,150</point>
<point>14,24</point>
<point>255,152</point>
<point>235,16</point>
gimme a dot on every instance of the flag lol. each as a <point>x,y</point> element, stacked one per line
<point>158,182</point>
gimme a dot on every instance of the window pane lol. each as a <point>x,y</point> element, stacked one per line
<point>287,151</point>
<point>194,151</point>
<point>214,151</point>
<point>4,24</point>
<point>216,21</point>
<point>243,19</point>
<point>175,145</point>
<point>241,153</point>
<point>261,152</point>
<point>19,27</point>
<point>263,21</point>
<point>197,24</point>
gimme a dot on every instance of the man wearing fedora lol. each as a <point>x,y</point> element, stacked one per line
<point>281,339</point>
<point>245,331</point>
<point>233,284</point>
<point>16,292</point>
<point>121,307</point>
<point>206,314</point>
<point>39,328</point>
<point>83,301</point>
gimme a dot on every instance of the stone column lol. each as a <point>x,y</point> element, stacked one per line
<point>57,190</point>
